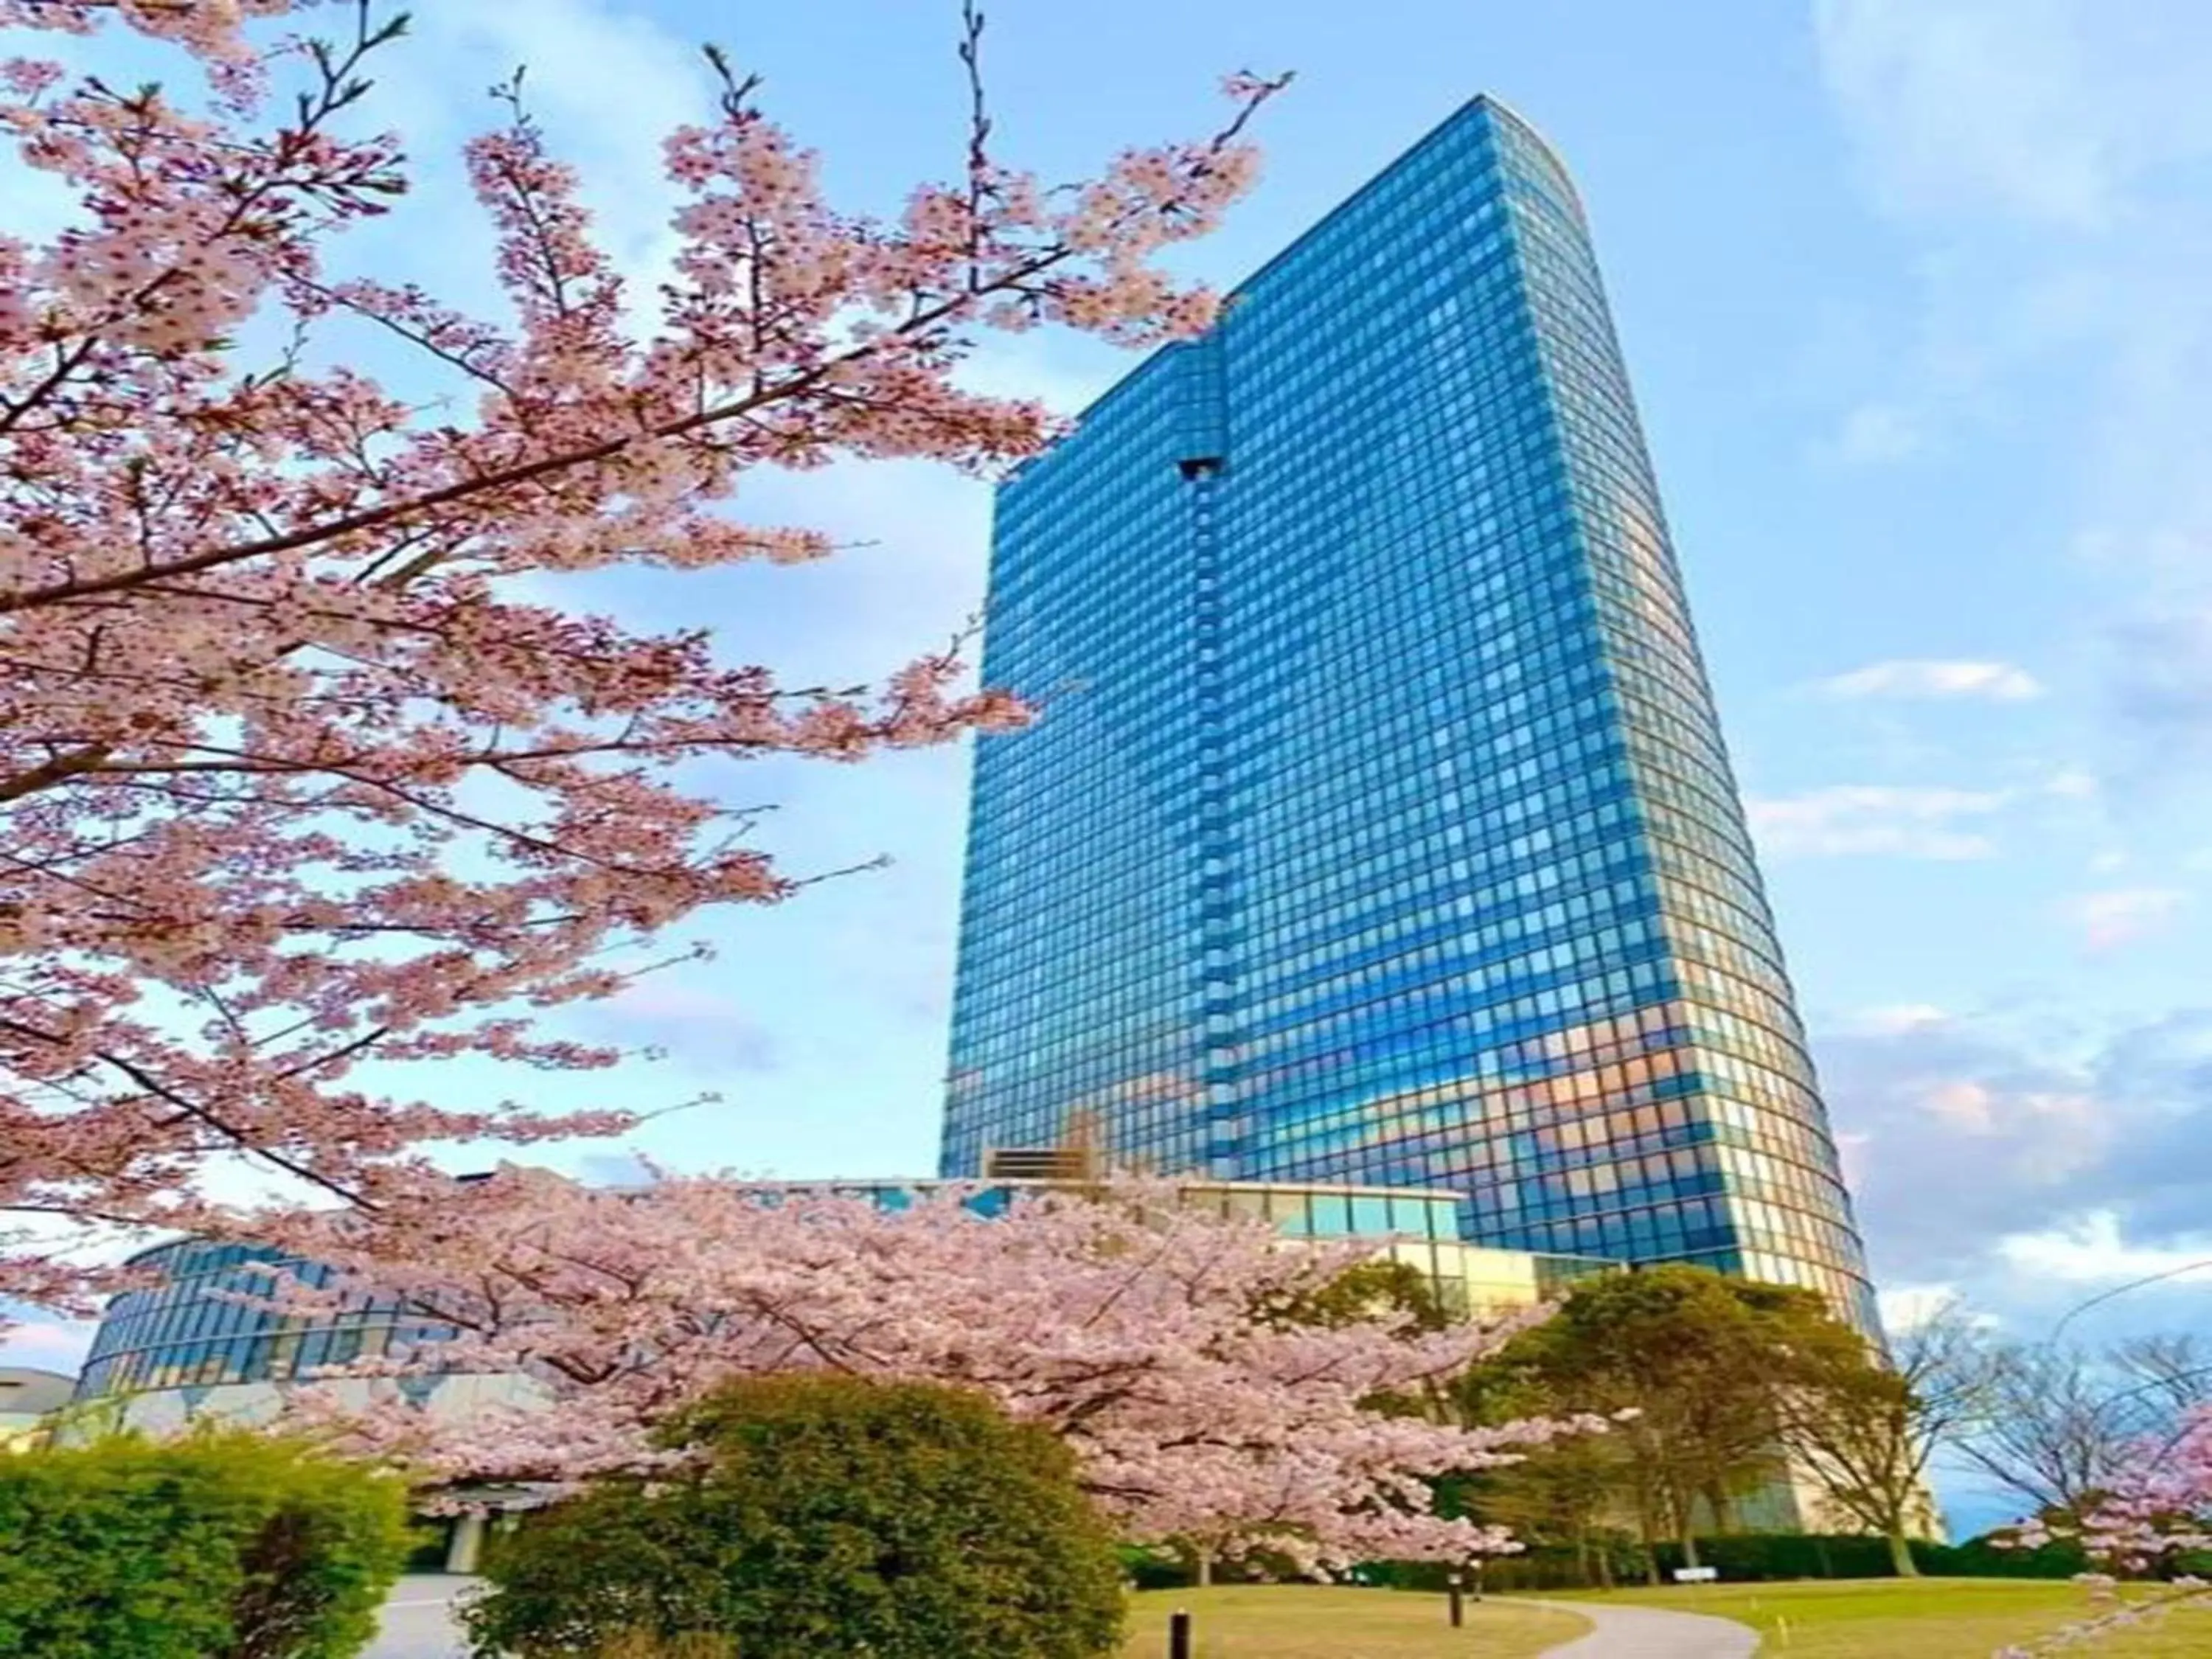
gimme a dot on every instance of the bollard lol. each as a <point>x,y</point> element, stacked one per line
<point>1178,1635</point>
<point>1458,1609</point>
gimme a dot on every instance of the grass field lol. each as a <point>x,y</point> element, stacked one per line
<point>1925,1619</point>
<point>1313,1621</point>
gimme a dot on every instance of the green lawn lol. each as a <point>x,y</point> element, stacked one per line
<point>1923,1618</point>
<point>1316,1621</point>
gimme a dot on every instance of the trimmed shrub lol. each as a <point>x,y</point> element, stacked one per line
<point>825,1515</point>
<point>1982,1558</point>
<point>1542,1567</point>
<point>223,1544</point>
<point>1149,1570</point>
<point>1752,1557</point>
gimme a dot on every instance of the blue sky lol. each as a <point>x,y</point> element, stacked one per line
<point>1912,293</point>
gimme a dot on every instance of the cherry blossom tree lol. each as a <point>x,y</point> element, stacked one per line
<point>2162,1504</point>
<point>307,766</point>
<point>2157,1512</point>
<point>1164,1342</point>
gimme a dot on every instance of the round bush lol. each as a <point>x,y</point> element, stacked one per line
<point>825,1515</point>
<point>223,1544</point>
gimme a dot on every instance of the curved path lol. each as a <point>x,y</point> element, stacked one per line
<point>1649,1633</point>
<point>417,1624</point>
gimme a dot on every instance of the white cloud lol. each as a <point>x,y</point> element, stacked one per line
<point>2093,1249</point>
<point>2122,915</point>
<point>2051,155</point>
<point>1875,819</point>
<point>2016,1123</point>
<point>1895,1019</point>
<point>2050,1132</point>
<point>1925,677</point>
<point>1963,1104</point>
<point>609,82</point>
<point>1906,1307</point>
<point>1873,435</point>
<point>1981,103</point>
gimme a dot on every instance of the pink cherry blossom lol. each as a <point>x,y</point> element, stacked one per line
<point>2161,1507</point>
<point>1146,1331</point>
<point>304,762</point>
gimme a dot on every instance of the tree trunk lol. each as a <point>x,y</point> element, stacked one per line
<point>1900,1554</point>
<point>1723,1514</point>
<point>1647,1528</point>
<point>1605,1564</point>
<point>1205,1568</point>
<point>1686,1519</point>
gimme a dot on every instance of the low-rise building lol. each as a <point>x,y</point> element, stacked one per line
<point>28,1397</point>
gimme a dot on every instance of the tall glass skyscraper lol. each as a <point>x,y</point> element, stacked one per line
<point>1377,826</point>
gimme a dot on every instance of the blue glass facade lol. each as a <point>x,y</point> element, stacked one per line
<point>198,1326</point>
<point>1377,827</point>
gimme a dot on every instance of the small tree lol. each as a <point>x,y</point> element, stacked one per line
<point>2153,1520</point>
<point>821,1515</point>
<point>1866,1428</point>
<point>1696,1357</point>
<point>1568,1494</point>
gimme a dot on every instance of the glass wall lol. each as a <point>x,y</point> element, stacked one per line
<point>203,1325</point>
<point>1377,827</point>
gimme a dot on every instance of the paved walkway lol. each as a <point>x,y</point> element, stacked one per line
<point>1649,1633</point>
<point>416,1626</point>
<point>415,1623</point>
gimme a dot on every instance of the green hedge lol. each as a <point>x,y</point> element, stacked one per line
<point>1751,1558</point>
<point>1979,1558</point>
<point>220,1545</point>
<point>1541,1568</point>
<point>823,1516</point>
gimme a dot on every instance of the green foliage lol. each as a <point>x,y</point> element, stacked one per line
<point>1365,1291</point>
<point>1547,1567</point>
<point>224,1545</point>
<point>1746,1558</point>
<point>1983,1557</point>
<point>1696,1354</point>
<point>1765,1557</point>
<point>1758,1556</point>
<point>1148,1569</point>
<point>825,1515</point>
<point>640,1646</point>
